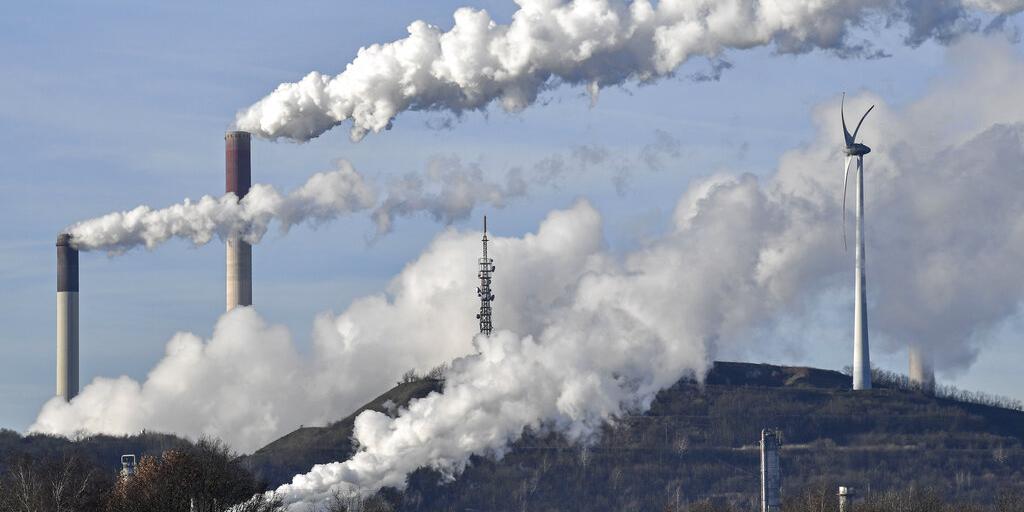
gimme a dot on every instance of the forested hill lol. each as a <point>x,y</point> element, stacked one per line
<point>697,442</point>
<point>700,441</point>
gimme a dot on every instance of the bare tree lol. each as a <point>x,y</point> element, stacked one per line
<point>204,478</point>
<point>65,484</point>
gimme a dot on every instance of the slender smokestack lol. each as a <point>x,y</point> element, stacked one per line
<point>845,499</point>
<point>67,318</point>
<point>921,372</point>
<point>238,178</point>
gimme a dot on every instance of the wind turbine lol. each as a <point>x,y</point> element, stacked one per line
<point>861,357</point>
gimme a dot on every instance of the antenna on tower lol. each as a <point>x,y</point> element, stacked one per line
<point>484,290</point>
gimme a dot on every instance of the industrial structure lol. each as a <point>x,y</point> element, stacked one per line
<point>861,351</point>
<point>845,499</point>
<point>921,371</point>
<point>238,179</point>
<point>484,290</point>
<point>67,318</point>
<point>771,472</point>
<point>128,465</point>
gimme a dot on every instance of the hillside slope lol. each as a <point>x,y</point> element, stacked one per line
<point>700,441</point>
<point>300,449</point>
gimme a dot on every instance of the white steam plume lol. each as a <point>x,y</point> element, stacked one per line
<point>448,191</point>
<point>450,188</point>
<point>325,196</point>
<point>423,319</point>
<point>592,42</point>
<point>740,253</point>
<point>618,334</point>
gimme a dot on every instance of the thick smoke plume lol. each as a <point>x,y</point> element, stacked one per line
<point>585,336</point>
<point>597,43</point>
<point>325,196</point>
<point>423,318</point>
<point>448,191</point>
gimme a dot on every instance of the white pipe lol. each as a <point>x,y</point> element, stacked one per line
<point>239,273</point>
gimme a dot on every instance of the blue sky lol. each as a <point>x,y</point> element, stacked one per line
<point>108,105</point>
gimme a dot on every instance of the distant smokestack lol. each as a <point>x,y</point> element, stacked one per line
<point>921,371</point>
<point>238,178</point>
<point>67,318</point>
<point>771,472</point>
<point>845,499</point>
<point>128,465</point>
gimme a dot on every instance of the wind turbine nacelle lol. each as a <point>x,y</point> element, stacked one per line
<point>857,149</point>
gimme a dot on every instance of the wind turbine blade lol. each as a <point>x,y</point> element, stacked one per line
<point>842,115</point>
<point>861,121</point>
<point>846,181</point>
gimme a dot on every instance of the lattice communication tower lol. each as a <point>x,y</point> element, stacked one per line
<point>484,290</point>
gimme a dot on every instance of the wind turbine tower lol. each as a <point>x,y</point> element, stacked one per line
<point>484,290</point>
<point>861,357</point>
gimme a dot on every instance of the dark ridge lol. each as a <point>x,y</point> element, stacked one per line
<point>725,373</point>
<point>102,451</point>
<point>698,441</point>
<point>298,451</point>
